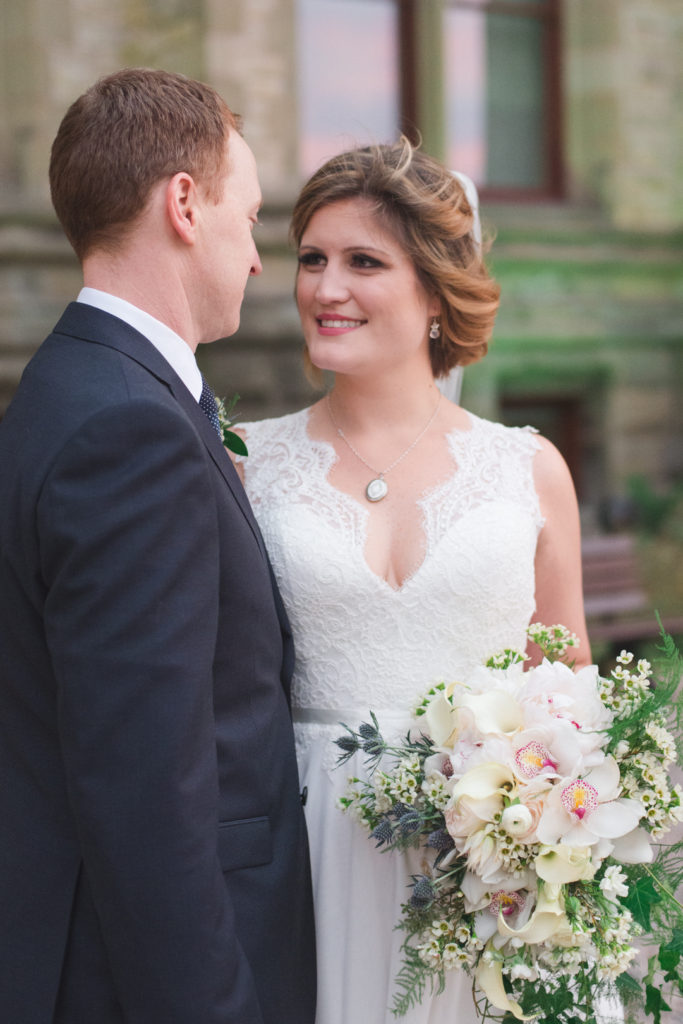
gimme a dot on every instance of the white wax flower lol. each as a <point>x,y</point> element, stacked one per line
<point>523,971</point>
<point>612,883</point>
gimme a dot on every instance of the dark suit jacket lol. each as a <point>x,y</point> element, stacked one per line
<point>153,858</point>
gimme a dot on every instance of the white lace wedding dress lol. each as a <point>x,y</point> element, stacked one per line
<point>361,644</point>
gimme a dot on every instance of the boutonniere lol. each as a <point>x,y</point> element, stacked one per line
<point>232,441</point>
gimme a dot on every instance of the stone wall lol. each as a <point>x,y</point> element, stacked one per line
<point>250,59</point>
<point>623,81</point>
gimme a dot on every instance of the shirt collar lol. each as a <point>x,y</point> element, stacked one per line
<point>170,345</point>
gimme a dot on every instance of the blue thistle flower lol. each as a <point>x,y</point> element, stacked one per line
<point>349,744</point>
<point>409,822</point>
<point>383,832</point>
<point>440,840</point>
<point>423,892</point>
<point>374,745</point>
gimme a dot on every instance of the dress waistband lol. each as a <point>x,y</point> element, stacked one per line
<point>349,716</point>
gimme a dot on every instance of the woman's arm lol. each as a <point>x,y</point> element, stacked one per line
<point>559,588</point>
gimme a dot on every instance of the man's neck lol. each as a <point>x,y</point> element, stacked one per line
<point>156,291</point>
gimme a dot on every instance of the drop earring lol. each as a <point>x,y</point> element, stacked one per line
<point>434,329</point>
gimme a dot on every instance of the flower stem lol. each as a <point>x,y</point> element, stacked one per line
<point>664,888</point>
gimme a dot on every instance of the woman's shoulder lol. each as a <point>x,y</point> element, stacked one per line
<point>501,461</point>
<point>551,473</point>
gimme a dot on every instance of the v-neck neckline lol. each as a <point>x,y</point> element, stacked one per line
<point>361,513</point>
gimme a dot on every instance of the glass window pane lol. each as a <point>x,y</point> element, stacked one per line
<point>494,97</point>
<point>516,108</point>
<point>348,76</point>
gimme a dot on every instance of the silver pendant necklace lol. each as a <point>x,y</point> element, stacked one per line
<point>377,488</point>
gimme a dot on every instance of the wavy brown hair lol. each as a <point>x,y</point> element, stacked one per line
<point>426,209</point>
<point>129,131</point>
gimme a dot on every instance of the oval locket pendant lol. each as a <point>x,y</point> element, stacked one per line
<point>376,489</point>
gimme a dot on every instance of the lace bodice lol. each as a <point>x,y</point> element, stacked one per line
<point>359,641</point>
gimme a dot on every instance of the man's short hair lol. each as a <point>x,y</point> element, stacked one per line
<point>129,131</point>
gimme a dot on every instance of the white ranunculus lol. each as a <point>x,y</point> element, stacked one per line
<point>517,820</point>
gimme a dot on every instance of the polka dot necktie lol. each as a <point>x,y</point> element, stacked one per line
<point>207,403</point>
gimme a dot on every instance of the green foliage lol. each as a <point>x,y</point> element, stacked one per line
<point>232,441</point>
<point>412,982</point>
<point>655,1003</point>
<point>661,700</point>
<point>653,509</point>
<point>641,897</point>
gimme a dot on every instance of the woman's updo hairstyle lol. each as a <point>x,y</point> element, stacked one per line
<point>426,209</point>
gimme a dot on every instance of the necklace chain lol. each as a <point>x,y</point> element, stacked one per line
<point>380,491</point>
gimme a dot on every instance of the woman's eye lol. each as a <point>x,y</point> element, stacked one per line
<point>311,259</point>
<point>364,262</point>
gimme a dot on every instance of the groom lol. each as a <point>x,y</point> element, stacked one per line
<point>153,860</point>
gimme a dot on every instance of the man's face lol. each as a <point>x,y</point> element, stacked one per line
<point>229,255</point>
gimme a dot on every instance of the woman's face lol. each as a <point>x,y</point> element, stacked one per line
<point>361,304</point>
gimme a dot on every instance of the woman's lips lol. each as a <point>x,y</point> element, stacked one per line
<point>330,325</point>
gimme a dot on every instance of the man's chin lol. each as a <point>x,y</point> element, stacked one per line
<point>226,333</point>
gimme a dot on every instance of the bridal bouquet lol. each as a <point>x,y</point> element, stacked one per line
<point>538,801</point>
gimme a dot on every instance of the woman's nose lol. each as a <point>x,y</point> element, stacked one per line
<point>331,285</point>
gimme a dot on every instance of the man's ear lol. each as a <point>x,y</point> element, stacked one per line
<point>182,207</point>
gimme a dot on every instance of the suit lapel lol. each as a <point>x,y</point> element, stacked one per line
<point>95,326</point>
<point>219,455</point>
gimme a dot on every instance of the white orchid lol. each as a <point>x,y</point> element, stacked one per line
<point>583,811</point>
<point>511,900</point>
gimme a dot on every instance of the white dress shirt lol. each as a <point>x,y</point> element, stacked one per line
<point>169,344</point>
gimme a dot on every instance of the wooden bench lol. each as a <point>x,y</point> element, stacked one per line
<point>618,608</point>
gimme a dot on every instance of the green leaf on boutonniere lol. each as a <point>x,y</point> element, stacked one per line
<point>232,441</point>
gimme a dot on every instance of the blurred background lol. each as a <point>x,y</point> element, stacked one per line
<point>566,113</point>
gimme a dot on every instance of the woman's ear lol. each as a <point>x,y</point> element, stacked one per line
<point>182,206</point>
<point>434,307</point>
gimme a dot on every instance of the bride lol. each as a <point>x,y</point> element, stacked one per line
<point>410,538</point>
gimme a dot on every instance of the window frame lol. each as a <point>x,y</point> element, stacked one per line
<point>549,15</point>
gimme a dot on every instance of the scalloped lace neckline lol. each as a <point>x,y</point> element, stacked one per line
<point>455,439</point>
